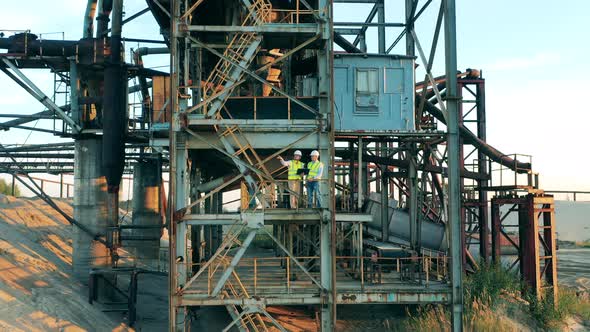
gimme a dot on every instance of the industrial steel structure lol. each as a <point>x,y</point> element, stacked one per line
<point>402,209</point>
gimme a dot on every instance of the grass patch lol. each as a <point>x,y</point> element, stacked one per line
<point>552,315</point>
<point>492,302</point>
<point>477,317</point>
<point>6,189</point>
<point>583,244</point>
<point>433,318</point>
<point>488,283</point>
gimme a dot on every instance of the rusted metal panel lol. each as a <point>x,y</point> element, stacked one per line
<point>195,300</point>
<point>496,234</point>
<point>161,112</point>
<point>548,243</point>
<point>404,297</point>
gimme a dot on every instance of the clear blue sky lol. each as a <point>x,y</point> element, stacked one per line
<point>532,53</point>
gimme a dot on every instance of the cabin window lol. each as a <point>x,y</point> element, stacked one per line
<point>367,81</point>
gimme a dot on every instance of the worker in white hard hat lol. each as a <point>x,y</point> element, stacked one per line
<point>294,176</point>
<point>316,170</point>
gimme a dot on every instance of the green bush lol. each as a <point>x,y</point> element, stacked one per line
<point>486,310</point>
<point>434,318</point>
<point>552,315</point>
<point>482,291</point>
<point>6,189</point>
<point>487,283</point>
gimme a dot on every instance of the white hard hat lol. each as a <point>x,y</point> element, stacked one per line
<point>297,153</point>
<point>315,153</point>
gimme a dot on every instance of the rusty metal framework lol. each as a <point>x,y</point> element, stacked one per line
<point>203,119</point>
<point>251,80</point>
<point>533,238</point>
<point>319,256</point>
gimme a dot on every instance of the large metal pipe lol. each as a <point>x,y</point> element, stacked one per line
<point>114,116</point>
<point>23,120</point>
<point>152,50</point>
<point>470,138</point>
<point>345,44</point>
<point>105,7</point>
<point>405,164</point>
<point>29,44</point>
<point>89,19</point>
<point>432,235</point>
<point>114,111</point>
<point>210,185</point>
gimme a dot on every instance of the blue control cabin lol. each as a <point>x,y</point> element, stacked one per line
<point>373,93</point>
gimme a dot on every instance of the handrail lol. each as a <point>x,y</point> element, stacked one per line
<point>276,273</point>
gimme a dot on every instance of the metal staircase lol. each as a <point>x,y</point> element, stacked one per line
<point>225,76</point>
<point>242,49</point>
<point>223,79</point>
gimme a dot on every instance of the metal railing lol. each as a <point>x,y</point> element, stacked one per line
<point>280,275</point>
<point>504,176</point>
<point>277,194</point>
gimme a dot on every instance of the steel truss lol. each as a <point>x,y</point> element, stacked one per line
<point>203,121</point>
<point>216,273</point>
<point>533,237</point>
<point>319,253</point>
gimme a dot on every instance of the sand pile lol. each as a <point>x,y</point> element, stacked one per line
<point>37,291</point>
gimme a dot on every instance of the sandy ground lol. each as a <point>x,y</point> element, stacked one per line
<point>37,291</point>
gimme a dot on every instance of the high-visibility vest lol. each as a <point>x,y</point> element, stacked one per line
<point>294,166</point>
<point>314,168</point>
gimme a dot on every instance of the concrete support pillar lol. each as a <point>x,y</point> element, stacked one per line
<point>90,208</point>
<point>146,209</point>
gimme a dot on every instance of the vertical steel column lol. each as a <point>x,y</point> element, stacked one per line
<point>496,234</point>
<point>195,178</point>
<point>529,244</point>
<point>454,162</point>
<point>74,92</point>
<point>384,197</point>
<point>412,178</point>
<point>61,186</point>
<point>381,28</point>
<point>482,165</point>
<point>351,177</point>
<point>13,187</point>
<point>178,259</point>
<point>410,43</point>
<point>413,199</point>
<point>177,193</point>
<point>359,175</point>
<point>548,211</point>
<point>464,196</point>
<point>363,43</point>
<point>327,223</point>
